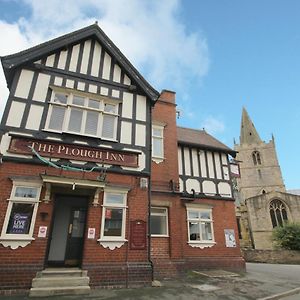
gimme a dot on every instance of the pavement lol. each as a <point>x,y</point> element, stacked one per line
<point>260,282</point>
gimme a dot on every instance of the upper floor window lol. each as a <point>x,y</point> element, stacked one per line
<point>82,115</point>
<point>158,141</point>
<point>278,213</point>
<point>256,158</point>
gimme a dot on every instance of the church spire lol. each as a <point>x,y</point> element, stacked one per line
<point>249,134</point>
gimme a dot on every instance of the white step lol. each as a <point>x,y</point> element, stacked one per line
<point>60,281</point>
<point>54,291</point>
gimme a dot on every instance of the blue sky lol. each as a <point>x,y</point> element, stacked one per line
<point>217,55</point>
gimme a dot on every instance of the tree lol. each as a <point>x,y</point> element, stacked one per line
<point>287,236</point>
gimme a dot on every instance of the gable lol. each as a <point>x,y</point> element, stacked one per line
<point>88,52</point>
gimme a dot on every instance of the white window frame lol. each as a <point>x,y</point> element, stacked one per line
<point>165,215</point>
<point>157,157</point>
<point>200,208</point>
<point>113,242</point>
<point>70,105</point>
<point>20,240</point>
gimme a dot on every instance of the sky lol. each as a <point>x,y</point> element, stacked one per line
<point>217,55</point>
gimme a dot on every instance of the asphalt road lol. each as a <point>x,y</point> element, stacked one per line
<point>261,281</point>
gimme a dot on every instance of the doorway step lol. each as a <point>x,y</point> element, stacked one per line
<point>60,281</point>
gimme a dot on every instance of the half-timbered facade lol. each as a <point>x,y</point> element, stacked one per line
<point>90,176</point>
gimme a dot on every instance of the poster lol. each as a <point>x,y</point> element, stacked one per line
<point>42,231</point>
<point>91,233</point>
<point>20,223</point>
<point>230,238</point>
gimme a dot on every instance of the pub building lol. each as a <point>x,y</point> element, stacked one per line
<point>99,187</point>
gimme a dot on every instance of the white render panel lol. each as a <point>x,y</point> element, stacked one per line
<point>127,80</point>
<point>187,161</point>
<point>224,159</point>
<point>192,184</point>
<point>195,162</point>
<point>202,163</point>
<point>74,58</point>
<point>224,189</point>
<point>41,87</point>
<point>179,161</point>
<point>218,165</point>
<point>127,105</point>
<point>226,173</point>
<point>15,114</point>
<point>104,91</point>
<point>81,86</point>
<point>58,81</point>
<point>24,84</point>
<point>117,73</point>
<point>85,57</point>
<point>211,170</point>
<point>106,66</point>
<point>115,93</point>
<point>38,62</point>
<point>92,88</point>
<point>62,59</point>
<point>34,117</point>
<point>126,128</point>
<point>180,185</point>
<point>140,135</point>
<point>209,188</point>
<point>70,83</point>
<point>50,60</point>
<point>96,60</point>
<point>141,108</point>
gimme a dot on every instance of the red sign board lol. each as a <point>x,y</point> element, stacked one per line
<point>74,152</point>
<point>138,235</point>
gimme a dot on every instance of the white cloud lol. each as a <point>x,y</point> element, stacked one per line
<point>149,33</point>
<point>213,125</point>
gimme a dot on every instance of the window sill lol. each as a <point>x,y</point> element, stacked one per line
<point>159,236</point>
<point>158,160</point>
<point>201,245</point>
<point>15,242</point>
<point>112,244</point>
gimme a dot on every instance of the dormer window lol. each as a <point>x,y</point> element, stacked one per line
<point>256,158</point>
<point>83,114</point>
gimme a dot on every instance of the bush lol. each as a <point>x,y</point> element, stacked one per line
<point>288,236</point>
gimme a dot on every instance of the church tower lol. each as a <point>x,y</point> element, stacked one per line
<point>259,167</point>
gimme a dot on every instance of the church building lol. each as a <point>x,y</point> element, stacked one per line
<point>262,200</point>
<point>98,184</point>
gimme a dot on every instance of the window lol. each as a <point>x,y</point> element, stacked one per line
<point>278,213</point>
<point>158,142</point>
<point>112,232</point>
<point>82,115</point>
<point>20,216</point>
<point>256,158</point>
<point>159,221</point>
<point>200,227</point>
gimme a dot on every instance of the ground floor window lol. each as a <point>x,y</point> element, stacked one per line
<point>200,226</point>
<point>159,221</point>
<point>112,233</point>
<point>20,215</point>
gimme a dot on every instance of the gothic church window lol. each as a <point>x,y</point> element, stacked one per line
<point>256,158</point>
<point>278,213</point>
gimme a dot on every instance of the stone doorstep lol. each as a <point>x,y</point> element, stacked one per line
<point>216,273</point>
<point>60,281</point>
<point>54,291</point>
<point>72,272</point>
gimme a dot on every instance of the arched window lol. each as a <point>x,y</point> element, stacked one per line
<point>278,213</point>
<point>256,158</point>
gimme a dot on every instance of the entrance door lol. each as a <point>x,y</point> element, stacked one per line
<point>66,243</point>
<point>75,236</point>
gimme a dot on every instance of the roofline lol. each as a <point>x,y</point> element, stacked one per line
<point>12,61</point>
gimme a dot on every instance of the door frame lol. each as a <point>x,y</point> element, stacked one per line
<point>58,197</point>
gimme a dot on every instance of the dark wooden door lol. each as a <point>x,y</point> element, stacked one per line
<point>75,237</point>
